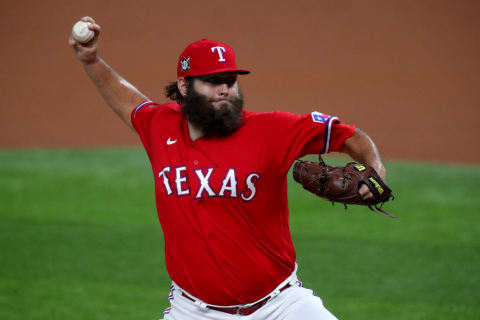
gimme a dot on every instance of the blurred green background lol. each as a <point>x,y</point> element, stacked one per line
<point>79,239</point>
<point>79,236</point>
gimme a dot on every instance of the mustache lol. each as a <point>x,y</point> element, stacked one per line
<point>221,99</point>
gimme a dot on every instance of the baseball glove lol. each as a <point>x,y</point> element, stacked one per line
<point>341,184</point>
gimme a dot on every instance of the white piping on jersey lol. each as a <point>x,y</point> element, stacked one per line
<point>140,107</point>
<point>328,130</point>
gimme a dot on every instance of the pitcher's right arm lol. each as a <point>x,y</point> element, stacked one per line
<point>118,93</point>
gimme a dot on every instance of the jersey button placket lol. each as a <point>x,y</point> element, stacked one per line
<point>193,156</point>
<point>193,159</point>
<point>200,204</point>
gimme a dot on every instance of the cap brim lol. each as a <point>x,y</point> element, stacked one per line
<point>238,71</point>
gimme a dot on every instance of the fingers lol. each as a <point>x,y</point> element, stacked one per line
<point>95,28</point>
<point>87,19</point>
<point>92,26</point>
<point>74,44</point>
<point>365,193</point>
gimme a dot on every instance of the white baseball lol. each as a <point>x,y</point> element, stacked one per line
<point>81,33</point>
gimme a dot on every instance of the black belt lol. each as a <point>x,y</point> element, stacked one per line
<point>244,311</point>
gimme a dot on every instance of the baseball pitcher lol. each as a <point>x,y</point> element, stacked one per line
<point>221,183</point>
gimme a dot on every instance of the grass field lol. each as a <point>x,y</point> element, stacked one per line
<point>79,239</point>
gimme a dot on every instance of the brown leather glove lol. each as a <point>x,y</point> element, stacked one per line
<point>341,184</point>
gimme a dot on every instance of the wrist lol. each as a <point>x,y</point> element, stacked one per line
<point>89,60</point>
<point>380,169</point>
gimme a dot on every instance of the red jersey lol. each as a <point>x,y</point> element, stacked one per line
<point>222,202</point>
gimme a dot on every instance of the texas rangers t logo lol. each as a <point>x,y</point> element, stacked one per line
<point>220,54</point>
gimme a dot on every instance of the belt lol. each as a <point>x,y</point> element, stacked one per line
<point>244,311</point>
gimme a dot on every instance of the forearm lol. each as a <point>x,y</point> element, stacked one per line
<point>361,148</point>
<point>118,93</point>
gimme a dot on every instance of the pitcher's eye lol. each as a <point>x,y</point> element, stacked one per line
<point>229,81</point>
<point>213,80</point>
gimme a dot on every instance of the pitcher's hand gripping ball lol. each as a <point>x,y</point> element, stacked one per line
<point>81,33</point>
<point>341,184</point>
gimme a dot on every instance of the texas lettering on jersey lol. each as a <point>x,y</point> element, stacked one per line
<point>175,181</point>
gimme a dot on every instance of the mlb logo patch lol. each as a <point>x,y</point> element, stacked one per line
<point>319,117</point>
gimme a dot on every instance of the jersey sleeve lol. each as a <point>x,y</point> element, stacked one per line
<point>141,118</point>
<point>294,136</point>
